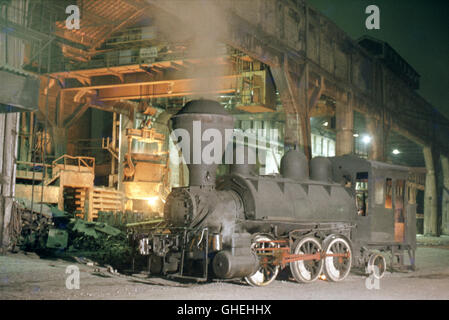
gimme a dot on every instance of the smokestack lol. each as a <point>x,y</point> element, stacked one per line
<point>247,167</point>
<point>196,117</point>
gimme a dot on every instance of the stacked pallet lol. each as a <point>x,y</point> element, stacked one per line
<point>80,202</point>
<point>103,199</point>
<point>107,200</point>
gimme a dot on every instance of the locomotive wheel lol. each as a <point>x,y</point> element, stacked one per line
<point>376,265</point>
<point>337,268</point>
<point>267,273</point>
<point>306,270</point>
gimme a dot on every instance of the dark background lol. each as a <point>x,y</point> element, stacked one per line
<point>417,29</point>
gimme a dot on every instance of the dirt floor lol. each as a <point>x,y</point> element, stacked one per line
<point>29,277</point>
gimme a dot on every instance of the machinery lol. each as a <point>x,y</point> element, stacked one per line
<point>146,171</point>
<point>347,212</point>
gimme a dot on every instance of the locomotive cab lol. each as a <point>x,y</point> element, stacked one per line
<point>386,216</point>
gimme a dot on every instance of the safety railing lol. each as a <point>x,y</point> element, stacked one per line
<point>30,170</point>
<point>79,162</point>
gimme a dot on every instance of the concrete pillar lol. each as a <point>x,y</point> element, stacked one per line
<point>293,94</point>
<point>297,132</point>
<point>345,126</point>
<point>376,146</point>
<point>445,197</point>
<point>9,128</point>
<point>292,133</point>
<point>24,138</point>
<point>430,195</point>
<point>412,195</point>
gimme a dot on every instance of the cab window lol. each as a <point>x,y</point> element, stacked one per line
<point>388,193</point>
<point>361,191</point>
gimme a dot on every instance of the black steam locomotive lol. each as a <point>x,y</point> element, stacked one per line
<point>348,212</point>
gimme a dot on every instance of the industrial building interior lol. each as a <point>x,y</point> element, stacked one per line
<point>85,113</point>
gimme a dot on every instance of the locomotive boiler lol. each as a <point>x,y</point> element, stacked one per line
<point>243,225</point>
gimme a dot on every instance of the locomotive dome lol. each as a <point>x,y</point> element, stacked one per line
<point>294,165</point>
<point>321,169</point>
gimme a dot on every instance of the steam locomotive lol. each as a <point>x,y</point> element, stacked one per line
<point>344,212</point>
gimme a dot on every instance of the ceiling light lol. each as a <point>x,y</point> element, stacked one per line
<point>326,124</point>
<point>396,151</point>
<point>366,139</point>
<point>355,135</point>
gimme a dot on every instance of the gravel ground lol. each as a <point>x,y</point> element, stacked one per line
<point>29,277</point>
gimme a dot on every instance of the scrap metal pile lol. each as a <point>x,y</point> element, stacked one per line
<point>28,228</point>
<point>122,220</point>
<point>99,242</point>
<point>49,232</point>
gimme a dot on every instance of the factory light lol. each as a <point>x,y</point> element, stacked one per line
<point>366,139</point>
<point>152,201</point>
<point>396,151</point>
<point>355,135</point>
<point>326,124</point>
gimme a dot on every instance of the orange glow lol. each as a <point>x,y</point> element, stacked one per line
<point>152,201</point>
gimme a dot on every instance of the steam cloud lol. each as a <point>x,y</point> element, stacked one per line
<point>203,26</point>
